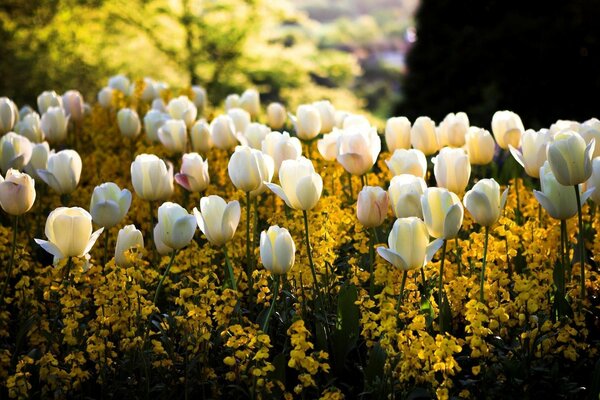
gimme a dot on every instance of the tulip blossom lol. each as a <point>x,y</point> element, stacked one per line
<point>193,176</point>
<point>423,136</point>
<point>217,219</point>
<point>40,152</point>
<point>128,122</point>
<point>250,101</point>
<point>452,169</point>
<point>152,179</point>
<point>507,128</point>
<point>128,238</point>
<point>558,200</point>
<point>153,121</point>
<point>199,98</point>
<point>397,133</point>
<point>200,137</point>
<point>411,161</point>
<point>109,204</point>
<point>105,96</point>
<point>484,202</point>
<point>17,192</point>
<point>173,135</point>
<point>69,233</point>
<point>241,119</point>
<point>593,183</point>
<point>301,186</point>
<point>223,132</point>
<point>405,193</point>
<point>119,82</point>
<point>564,125</point>
<point>277,250</point>
<point>48,99</point>
<point>570,159</point>
<point>8,115</point>
<point>590,130</point>
<point>358,148</point>
<point>175,228</point>
<point>328,146</point>
<point>249,168</point>
<point>63,171</point>
<point>276,115</point>
<point>147,89</point>
<point>281,147</point>
<point>54,124</point>
<point>480,146</point>
<point>15,151</point>
<point>307,122</point>
<point>30,127</point>
<point>442,212</point>
<point>326,114</point>
<point>73,105</point>
<point>533,151</point>
<point>181,108</point>
<point>452,130</point>
<point>232,101</point>
<point>372,206</point>
<point>254,135</point>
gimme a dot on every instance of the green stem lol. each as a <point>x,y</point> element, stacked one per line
<point>401,295</point>
<point>563,254</point>
<point>458,256</point>
<point>66,277</point>
<point>372,263</point>
<point>565,244</point>
<point>482,279</point>
<point>162,279</point>
<point>309,251</point>
<point>105,257</point>
<point>441,281</point>
<point>11,263</point>
<point>350,188</point>
<point>229,269</point>
<point>363,180</point>
<point>276,280</point>
<point>580,242</point>
<point>423,278</point>
<point>518,210</point>
<point>248,243</point>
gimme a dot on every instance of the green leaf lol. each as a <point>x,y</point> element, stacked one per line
<point>375,367</point>
<point>347,326</point>
<point>445,314</point>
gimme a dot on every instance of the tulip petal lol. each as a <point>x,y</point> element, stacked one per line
<point>92,240</point>
<point>503,199</point>
<point>393,258</point>
<point>517,155</point>
<point>50,180</point>
<point>453,221</point>
<point>308,191</point>
<point>284,254</point>
<point>278,190</point>
<point>231,219</point>
<point>545,202</point>
<point>432,248</point>
<point>586,195</point>
<point>183,232</point>
<point>50,248</point>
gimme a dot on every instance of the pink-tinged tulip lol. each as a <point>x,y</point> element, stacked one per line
<point>372,206</point>
<point>17,192</point>
<point>73,105</point>
<point>193,176</point>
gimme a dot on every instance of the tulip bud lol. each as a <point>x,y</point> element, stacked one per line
<point>30,127</point>
<point>564,125</point>
<point>24,111</point>
<point>54,124</point>
<point>397,133</point>
<point>277,250</point>
<point>199,98</point>
<point>153,120</point>
<point>241,119</point>
<point>405,193</point>
<point>423,136</point>
<point>182,108</point>
<point>232,101</point>
<point>39,159</point>
<point>593,184</point>
<point>69,233</point>
<point>129,123</point>
<point>326,114</point>
<point>558,200</point>
<point>409,246</point>
<point>175,227</point>
<point>340,117</point>
<point>8,115</point>
<point>15,151</point>
<point>281,147</point>
<point>328,145</point>
<point>194,173</point>
<point>452,169</point>
<point>301,186</point>
<point>372,206</point>
<point>201,137</point>
<point>119,82</point>
<point>443,212</point>
<point>276,115</point>
<point>484,202</point>
<point>158,104</point>
<point>250,101</point>
<point>570,159</point>
<point>105,96</point>
<point>533,151</point>
<point>359,122</point>
<point>128,238</point>
<point>249,168</point>
<point>590,130</point>
<point>63,171</point>
<point>17,192</point>
<point>217,219</point>
<point>73,105</point>
<point>507,128</point>
<point>480,146</point>
<point>254,134</point>
<point>307,122</point>
<point>48,99</point>
<point>109,204</point>
<point>151,178</point>
<point>173,135</point>
<point>358,148</point>
<point>410,161</point>
<point>453,129</point>
<point>223,132</point>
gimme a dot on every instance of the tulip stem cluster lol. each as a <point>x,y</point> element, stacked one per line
<point>248,244</point>
<point>441,282</point>
<point>105,257</point>
<point>164,276</point>
<point>276,282</point>
<point>12,258</point>
<point>563,256</point>
<point>580,242</point>
<point>310,259</point>
<point>401,295</point>
<point>229,269</point>
<point>372,262</point>
<point>482,278</point>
